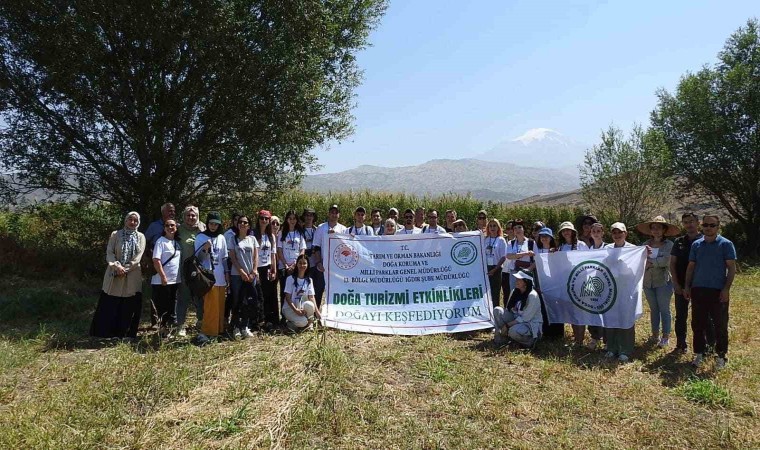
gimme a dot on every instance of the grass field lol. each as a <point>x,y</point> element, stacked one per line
<point>331,389</point>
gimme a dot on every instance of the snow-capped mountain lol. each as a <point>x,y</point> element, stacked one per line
<point>538,147</point>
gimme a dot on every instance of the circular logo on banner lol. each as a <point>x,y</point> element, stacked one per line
<point>345,256</point>
<point>592,287</point>
<point>464,253</point>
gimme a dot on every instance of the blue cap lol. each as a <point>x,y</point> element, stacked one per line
<point>546,231</point>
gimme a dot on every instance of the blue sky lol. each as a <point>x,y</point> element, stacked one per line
<point>451,79</point>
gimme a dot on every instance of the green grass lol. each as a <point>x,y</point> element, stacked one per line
<point>331,389</point>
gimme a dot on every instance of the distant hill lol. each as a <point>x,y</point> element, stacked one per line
<point>485,180</point>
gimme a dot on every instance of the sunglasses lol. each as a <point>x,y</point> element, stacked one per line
<point>709,225</point>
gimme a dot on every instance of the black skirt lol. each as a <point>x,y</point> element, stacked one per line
<point>116,316</point>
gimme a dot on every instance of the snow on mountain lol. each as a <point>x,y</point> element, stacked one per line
<point>538,147</point>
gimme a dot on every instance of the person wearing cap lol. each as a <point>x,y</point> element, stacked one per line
<point>679,261</point>
<point>568,241</point>
<point>657,285</point>
<point>409,227</point>
<point>432,225</point>
<point>546,244</point>
<point>267,268</point>
<point>359,228</point>
<point>584,224</point>
<point>451,216</point>
<point>709,276</point>
<point>460,226</point>
<point>419,217</point>
<point>496,254</point>
<point>481,222</point>
<point>521,319</point>
<point>390,227</point>
<point>620,341</point>
<point>393,214</point>
<point>321,237</point>
<point>377,222</point>
<point>213,256</point>
<point>189,229</point>
<point>519,254</point>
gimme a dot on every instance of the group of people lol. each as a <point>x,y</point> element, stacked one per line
<point>255,254</point>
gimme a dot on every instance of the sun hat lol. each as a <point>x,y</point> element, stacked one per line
<point>309,210</point>
<point>546,231</point>
<point>567,226</point>
<point>619,226</point>
<point>523,275</point>
<point>645,227</point>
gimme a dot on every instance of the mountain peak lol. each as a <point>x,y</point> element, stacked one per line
<point>540,134</point>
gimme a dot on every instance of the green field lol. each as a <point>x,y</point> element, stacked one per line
<point>329,389</point>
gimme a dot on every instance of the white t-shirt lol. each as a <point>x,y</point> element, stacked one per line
<point>414,230</point>
<point>168,252</point>
<point>308,235</point>
<point>361,231</point>
<point>514,247</point>
<point>432,230</point>
<point>321,236</point>
<point>218,253</point>
<point>293,245</point>
<point>568,247</point>
<point>297,288</point>
<point>266,249</point>
<point>496,248</point>
<point>243,249</point>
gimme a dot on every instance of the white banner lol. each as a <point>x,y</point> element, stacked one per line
<point>595,287</point>
<point>407,284</point>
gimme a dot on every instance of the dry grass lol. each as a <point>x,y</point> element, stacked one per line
<point>348,390</point>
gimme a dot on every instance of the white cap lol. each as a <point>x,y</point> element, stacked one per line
<point>523,275</point>
<point>619,226</point>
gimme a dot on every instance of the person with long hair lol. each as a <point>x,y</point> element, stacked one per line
<point>267,268</point>
<point>299,307</point>
<point>118,312</point>
<point>290,244</point>
<point>620,341</point>
<point>597,237</point>
<point>658,287</point>
<point>166,256</point>
<point>391,227</point>
<point>244,256</point>
<point>568,241</point>
<point>521,319</point>
<point>584,224</point>
<point>496,254</point>
<point>519,253</point>
<point>211,248</point>
<point>546,244</point>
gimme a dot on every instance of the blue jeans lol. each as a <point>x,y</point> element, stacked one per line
<point>659,307</point>
<point>183,302</point>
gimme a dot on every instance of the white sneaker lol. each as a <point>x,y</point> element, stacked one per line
<point>236,333</point>
<point>720,363</point>
<point>609,355</point>
<point>247,333</point>
<point>623,358</point>
<point>697,361</point>
<point>182,332</point>
<point>664,342</point>
<point>592,344</point>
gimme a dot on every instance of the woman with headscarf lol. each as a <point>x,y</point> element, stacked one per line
<point>658,287</point>
<point>190,227</point>
<point>521,319</point>
<point>120,303</point>
<point>496,254</point>
<point>211,248</point>
<point>391,227</point>
<point>166,256</point>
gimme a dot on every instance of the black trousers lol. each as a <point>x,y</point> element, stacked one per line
<point>269,293</point>
<point>318,278</point>
<point>682,319</point>
<point>116,316</point>
<point>706,305</point>
<point>164,304</point>
<point>495,282</point>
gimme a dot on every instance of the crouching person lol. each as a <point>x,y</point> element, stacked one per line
<point>521,321</point>
<point>299,307</point>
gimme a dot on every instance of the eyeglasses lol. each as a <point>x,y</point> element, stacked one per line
<point>709,225</point>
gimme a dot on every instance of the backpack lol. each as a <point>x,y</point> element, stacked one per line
<point>199,279</point>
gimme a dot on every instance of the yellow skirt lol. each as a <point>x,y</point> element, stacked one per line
<point>213,311</point>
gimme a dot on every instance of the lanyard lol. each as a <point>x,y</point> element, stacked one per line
<point>490,245</point>
<point>292,235</point>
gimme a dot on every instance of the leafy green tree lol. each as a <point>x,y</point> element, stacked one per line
<point>627,176</point>
<point>711,127</point>
<point>138,103</point>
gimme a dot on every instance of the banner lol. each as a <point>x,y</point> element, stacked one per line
<point>407,284</point>
<point>594,287</point>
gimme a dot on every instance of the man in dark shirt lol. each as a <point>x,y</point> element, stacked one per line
<point>679,261</point>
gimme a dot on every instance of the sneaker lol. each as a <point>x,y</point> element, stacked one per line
<point>664,342</point>
<point>697,361</point>
<point>291,326</point>
<point>203,339</point>
<point>609,355</point>
<point>654,339</point>
<point>679,350</point>
<point>247,333</point>
<point>592,344</point>
<point>720,363</point>
<point>182,332</point>
<point>236,333</point>
<point>623,358</point>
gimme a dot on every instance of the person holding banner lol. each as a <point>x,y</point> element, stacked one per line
<point>320,249</point>
<point>585,223</point>
<point>521,319</point>
<point>597,237</point>
<point>546,244</point>
<point>620,341</point>
<point>709,276</point>
<point>568,241</point>
<point>298,308</point>
<point>496,254</point>
<point>657,285</point>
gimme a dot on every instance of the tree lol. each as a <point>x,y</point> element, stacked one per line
<point>138,103</point>
<point>711,128</point>
<point>626,175</point>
